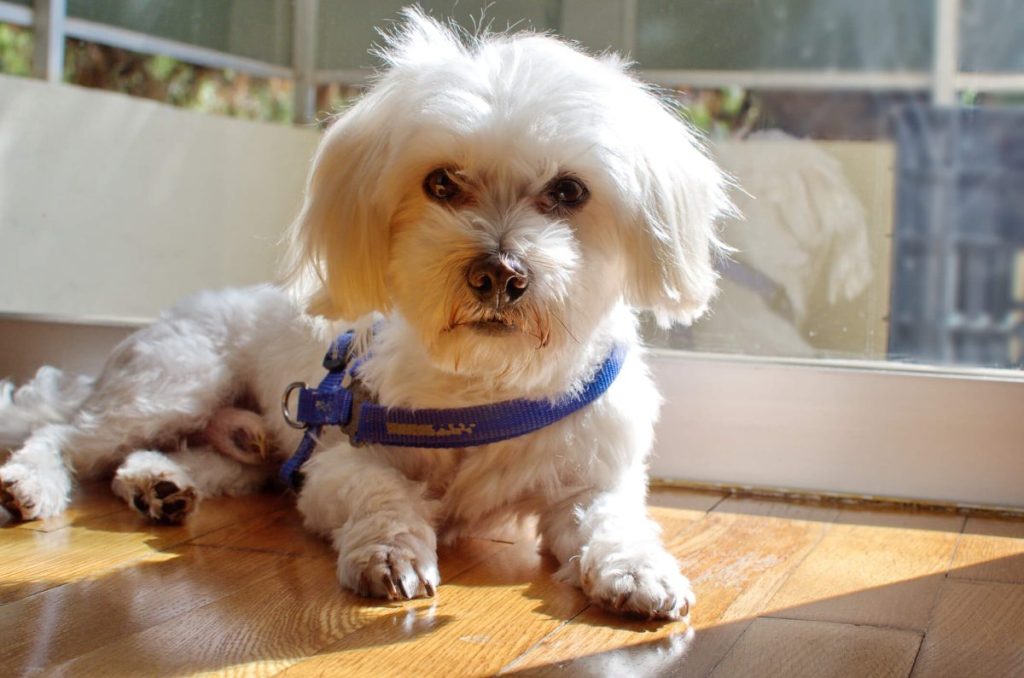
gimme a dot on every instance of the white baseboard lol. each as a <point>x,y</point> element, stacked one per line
<point>900,434</point>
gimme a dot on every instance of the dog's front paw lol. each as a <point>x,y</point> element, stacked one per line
<point>28,492</point>
<point>636,581</point>
<point>162,494</point>
<point>402,569</point>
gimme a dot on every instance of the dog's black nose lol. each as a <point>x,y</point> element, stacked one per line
<point>497,279</point>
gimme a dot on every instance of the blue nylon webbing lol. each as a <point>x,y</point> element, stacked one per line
<point>332,404</point>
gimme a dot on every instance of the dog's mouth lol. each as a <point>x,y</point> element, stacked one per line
<point>489,323</point>
<point>493,326</point>
<point>522,320</point>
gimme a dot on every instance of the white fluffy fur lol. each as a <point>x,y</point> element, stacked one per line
<point>508,113</point>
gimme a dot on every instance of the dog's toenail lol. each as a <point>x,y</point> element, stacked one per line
<point>389,584</point>
<point>165,488</point>
<point>401,587</point>
<point>140,504</point>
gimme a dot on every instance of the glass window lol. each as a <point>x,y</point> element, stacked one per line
<point>877,146</point>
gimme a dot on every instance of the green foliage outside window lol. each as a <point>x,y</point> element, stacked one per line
<point>15,50</point>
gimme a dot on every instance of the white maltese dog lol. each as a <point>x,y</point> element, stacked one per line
<point>493,211</point>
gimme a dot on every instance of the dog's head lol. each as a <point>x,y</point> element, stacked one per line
<point>504,193</point>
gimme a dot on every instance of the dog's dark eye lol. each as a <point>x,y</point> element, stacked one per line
<point>440,185</point>
<point>567,192</point>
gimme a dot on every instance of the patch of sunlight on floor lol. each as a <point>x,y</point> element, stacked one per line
<point>71,554</point>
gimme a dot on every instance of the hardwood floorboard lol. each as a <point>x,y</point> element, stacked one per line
<point>736,558</point>
<point>274,621</point>
<point>212,515</point>
<point>275,532</point>
<point>873,567</point>
<point>990,549</point>
<point>783,589</point>
<point>495,611</point>
<point>66,621</point>
<point>37,561</point>
<point>977,630</point>
<point>786,648</point>
<point>667,501</point>
<point>93,500</point>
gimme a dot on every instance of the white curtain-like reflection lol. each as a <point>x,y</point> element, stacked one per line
<point>801,244</point>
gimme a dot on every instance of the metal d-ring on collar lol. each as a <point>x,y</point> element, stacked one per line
<point>285,412</point>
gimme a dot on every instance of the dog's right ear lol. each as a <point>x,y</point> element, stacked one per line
<point>338,245</point>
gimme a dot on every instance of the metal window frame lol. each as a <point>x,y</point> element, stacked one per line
<point>49,21</point>
<point>944,82</point>
<point>19,15</point>
<point>304,40</point>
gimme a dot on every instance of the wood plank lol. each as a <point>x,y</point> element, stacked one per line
<point>251,592</point>
<point>482,620</point>
<point>736,557</point>
<point>793,649</point>
<point>70,620</point>
<point>936,521</point>
<point>276,532</point>
<point>37,561</point>
<point>778,508</point>
<point>990,549</point>
<point>977,630</point>
<point>263,627</point>
<point>694,503</point>
<point>92,499</point>
<point>876,567</point>
<point>211,515</point>
<point>257,630</point>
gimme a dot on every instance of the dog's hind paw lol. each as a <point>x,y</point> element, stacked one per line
<point>165,503</point>
<point>240,435</point>
<point>165,496</point>
<point>14,507</point>
<point>27,493</point>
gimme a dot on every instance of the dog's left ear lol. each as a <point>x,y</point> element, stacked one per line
<point>338,245</point>
<point>677,194</point>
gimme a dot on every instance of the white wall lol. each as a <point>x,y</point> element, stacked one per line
<point>113,207</point>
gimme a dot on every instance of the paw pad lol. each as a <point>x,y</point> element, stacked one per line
<point>165,503</point>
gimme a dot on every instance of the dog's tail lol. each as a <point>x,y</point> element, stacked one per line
<point>51,397</point>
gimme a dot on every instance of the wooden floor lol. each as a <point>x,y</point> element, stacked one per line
<point>783,590</point>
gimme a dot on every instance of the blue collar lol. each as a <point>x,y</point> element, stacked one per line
<point>368,423</point>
